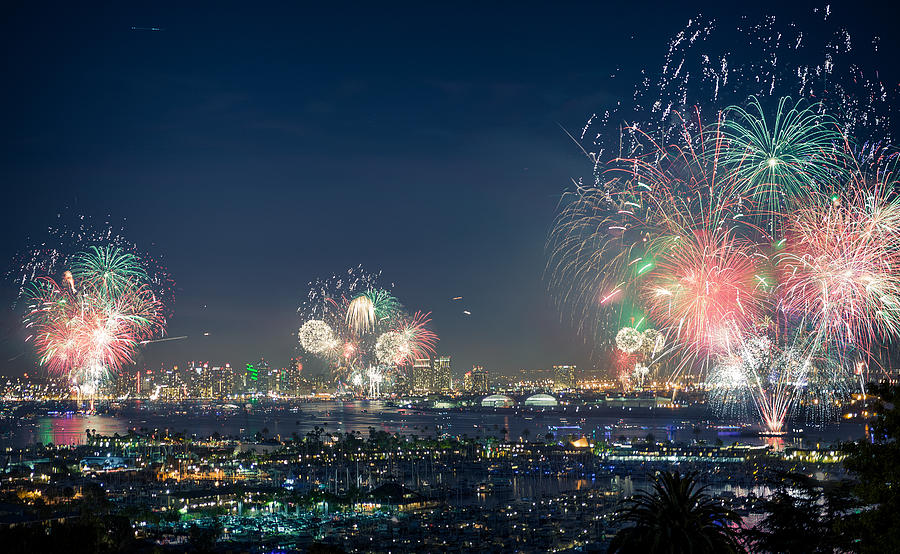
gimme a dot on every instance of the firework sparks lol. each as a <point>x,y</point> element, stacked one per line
<point>764,246</point>
<point>76,235</point>
<point>841,266</point>
<point>94,322</point>
<point>361,315</point>
<point>317,337</point>
<point>704,290</point>
<point>629,339</point>
<point>360,329</point>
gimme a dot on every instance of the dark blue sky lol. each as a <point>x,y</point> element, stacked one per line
<point>260,146</point>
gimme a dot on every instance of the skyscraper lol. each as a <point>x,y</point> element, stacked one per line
<point>479,379</point>
<point>564,376</point>
<point>420,376</point>
<point>442,380</point>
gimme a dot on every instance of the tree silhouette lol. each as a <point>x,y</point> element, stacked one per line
<point>676,516</point>
<point>803,515</point>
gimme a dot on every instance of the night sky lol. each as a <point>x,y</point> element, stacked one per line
<point>257,147</point>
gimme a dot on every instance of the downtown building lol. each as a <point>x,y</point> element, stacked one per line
<point>476,381</point>
<point>565,376</point>
<point>430,376</point>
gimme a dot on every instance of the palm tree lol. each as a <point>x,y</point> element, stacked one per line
<point>677,516</point>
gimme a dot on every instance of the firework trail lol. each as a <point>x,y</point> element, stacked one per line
<point>359,328</point>
<point>759,234</point>
<point>93,322</point>
<point>712,64</point>
<point>410,339</point>
<point>73,234</point>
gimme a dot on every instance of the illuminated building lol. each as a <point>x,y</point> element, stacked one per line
<point>420,375</point>
<point>564,376</point>
<point>497,401</point>
<point>442,380</point>
<point>476,381</point>
<point>541,400</point>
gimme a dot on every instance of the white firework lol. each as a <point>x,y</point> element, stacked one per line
<point>361,315</point>
<point>357,380</point>
<point>654,341</point>
<point>317,337</point>
<point>376,376</point>
<point>392,348</point>
<point>629,339</point>
<point>640,372</point>
<point>729,374</point>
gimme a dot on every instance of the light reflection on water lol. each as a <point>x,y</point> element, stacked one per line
<point>359,416</point>
<point>69,429</point>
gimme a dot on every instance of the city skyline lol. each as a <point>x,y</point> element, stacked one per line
<point>450,277</point>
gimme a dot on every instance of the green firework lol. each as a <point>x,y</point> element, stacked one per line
<point>777,160</point>
<point>386,305</point>
<point>108,268</point>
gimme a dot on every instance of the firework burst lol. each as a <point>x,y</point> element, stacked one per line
<point>78,241</point>
<point>779,161</point>
<point>841,264</point>
<point>358,327</point>
<point>705,290</point>
<point>93,322</point>
<point>764,246</point>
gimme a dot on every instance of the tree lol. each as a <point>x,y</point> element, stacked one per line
<point>876,466</point>
<point>676,516</point>
<point>203,539</point>
<point>802,515</point>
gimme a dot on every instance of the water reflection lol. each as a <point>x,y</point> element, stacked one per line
<point>70,429</point>
<point>360,416</point>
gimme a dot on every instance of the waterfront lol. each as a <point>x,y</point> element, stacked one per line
<point>288,418</point>
<point>374,486</point>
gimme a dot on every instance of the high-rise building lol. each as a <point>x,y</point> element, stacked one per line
<point>147,382</point>
<point>564,376</point>
<point>479,379</point>
<point>200,380</point>
<point>256,377</point>
<point>238,379</point>
<point>442,378</point>
<point>420,376</point>
<point>291,380</point>
<point>265,381</point>
<point>217,381</point>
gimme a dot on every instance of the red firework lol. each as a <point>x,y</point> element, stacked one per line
<point>90,330</point>
<point>840,270</point>
<point>705,289</point>
<point>420,339</point>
